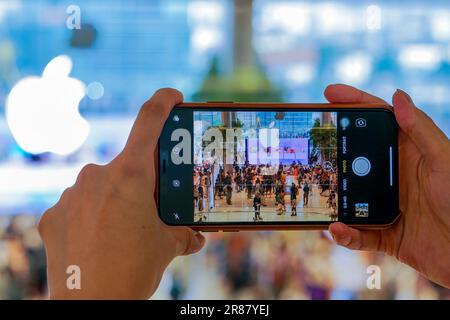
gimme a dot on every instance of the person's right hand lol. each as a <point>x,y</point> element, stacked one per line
<point>421,236</point>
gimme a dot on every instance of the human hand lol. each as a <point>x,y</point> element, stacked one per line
<point>108,225</point>
<point>421,236</point>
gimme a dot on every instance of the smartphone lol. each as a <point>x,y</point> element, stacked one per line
<point>249,166</point>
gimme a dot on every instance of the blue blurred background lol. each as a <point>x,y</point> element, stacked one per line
<point>241,50</point>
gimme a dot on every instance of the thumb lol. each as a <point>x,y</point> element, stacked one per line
<point>144,135</point>
<point>428,138</point>
<point>187,240</point>
<point>369,240</point>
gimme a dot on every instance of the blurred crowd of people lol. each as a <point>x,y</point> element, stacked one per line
<point>289,265</point>
<point>22,259</point>
<point>260,265</point>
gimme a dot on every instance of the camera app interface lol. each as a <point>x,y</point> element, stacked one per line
<point>265,166</point>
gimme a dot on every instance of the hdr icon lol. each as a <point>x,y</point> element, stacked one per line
<point>360,123</point>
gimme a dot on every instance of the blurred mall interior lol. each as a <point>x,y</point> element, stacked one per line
<point>119,52</point>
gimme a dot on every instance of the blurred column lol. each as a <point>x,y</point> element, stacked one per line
<point>243,55</point>
<point>247,82</point>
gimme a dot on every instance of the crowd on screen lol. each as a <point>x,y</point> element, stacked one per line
<point>262,181</point>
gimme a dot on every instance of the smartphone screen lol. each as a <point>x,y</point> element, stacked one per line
<point>238,166</point>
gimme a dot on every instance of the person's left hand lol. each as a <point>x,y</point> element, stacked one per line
<point>420,236</point>
<point>108,225</point>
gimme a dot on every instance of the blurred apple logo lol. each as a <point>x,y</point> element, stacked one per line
<point>42,112</point>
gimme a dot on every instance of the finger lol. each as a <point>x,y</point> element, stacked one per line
<point>187,240</point>
<point>370,240</point>
<point>144,135</point>
<point>342,93</point>
<point>419,127</point>
<point>44,222</point>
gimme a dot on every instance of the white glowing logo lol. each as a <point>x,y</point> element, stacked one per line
<point>42,112</point>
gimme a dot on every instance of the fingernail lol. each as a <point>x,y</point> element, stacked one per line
<point>332,235</point>
<point>199,239</point>
<point>407,96</point>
